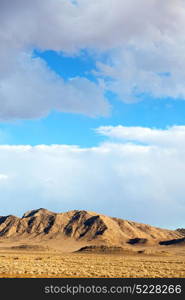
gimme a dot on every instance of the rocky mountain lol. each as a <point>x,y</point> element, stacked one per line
<point>80,226</point>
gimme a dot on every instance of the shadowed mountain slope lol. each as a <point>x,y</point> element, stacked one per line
<point>80,225</point>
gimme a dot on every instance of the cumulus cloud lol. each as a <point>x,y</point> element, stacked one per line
<point>69,26</point>
<point>33,90</point>
<point>144,40</point>
<point>138,182</point>
<point>173,136</point>
<point>28,88</point>
<point>145,45</point>
<point>154,72</point>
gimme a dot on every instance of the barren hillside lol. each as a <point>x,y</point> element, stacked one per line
<point>75,229</point>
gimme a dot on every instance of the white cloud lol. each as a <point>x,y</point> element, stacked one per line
<point>146,52</point>
<point>145,41</point>
<point>152,71</point>
<point>61,25</point>
<point>136,182</point>
<point>173,136</point>
<point>3,177</point>
<point>33,90</point>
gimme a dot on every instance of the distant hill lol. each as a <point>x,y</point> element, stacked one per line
<point>79,228</point>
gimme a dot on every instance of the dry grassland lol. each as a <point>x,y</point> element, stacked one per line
<point>35,264</point>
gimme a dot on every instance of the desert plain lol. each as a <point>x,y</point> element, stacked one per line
<point>22,264</point>
<point>84,244</point>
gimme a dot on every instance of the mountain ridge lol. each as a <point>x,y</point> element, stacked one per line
<point>81,226</point>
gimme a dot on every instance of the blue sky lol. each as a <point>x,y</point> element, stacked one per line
<point>77,129</point>
<point>92,108</point>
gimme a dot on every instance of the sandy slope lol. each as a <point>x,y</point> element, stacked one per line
<point>70,231</point>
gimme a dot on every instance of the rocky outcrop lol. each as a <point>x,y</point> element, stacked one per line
<point>181,231</point>
<point>81,225</point>
<point>173,242</point>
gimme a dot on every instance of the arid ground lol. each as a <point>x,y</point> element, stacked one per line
<point>54,264</point>
<point>87,244</point>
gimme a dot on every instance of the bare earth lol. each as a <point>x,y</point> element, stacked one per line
<point>85,244</point>
<point>55,264</point>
